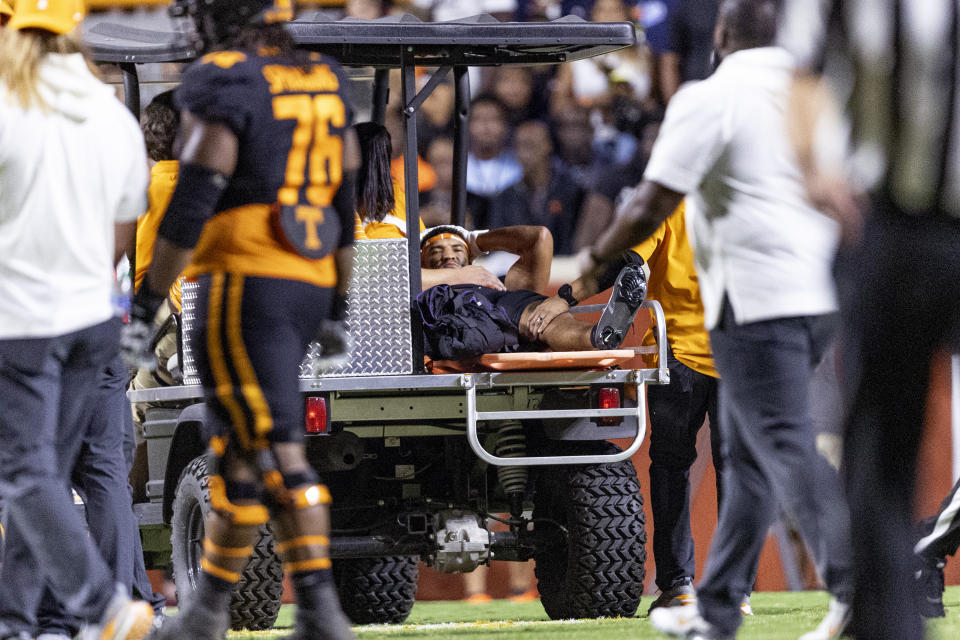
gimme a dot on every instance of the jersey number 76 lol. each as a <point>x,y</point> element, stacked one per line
<point>315,115</point>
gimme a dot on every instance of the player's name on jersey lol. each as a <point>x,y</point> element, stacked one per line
<point>284,79</point>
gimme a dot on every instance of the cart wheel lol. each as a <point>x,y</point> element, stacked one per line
<point>595,568</point>
<point>256,599</point>
<point>376,590</point>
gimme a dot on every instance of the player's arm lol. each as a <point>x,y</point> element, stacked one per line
<point>638,219</point>
<point>819,136</point>
<point>124,239</point>
<point>533,245</point>
<point>469,274</point>
<point>814,120</point>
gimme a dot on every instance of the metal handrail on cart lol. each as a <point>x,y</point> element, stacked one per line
<point>637,378</point>
<point>474,417</point>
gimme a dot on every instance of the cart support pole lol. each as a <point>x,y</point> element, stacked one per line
<point>131,95</point>
<point>411,190</point>
<point>131,88</point>
<point>460,144</point>
<point>381,94</point>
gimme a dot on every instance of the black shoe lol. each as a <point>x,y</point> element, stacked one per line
<point>327,622</point>
<point>628,294</point>
<point>929,587</point>
<point>196,622</point>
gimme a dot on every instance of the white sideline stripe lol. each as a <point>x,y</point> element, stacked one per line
<point>438,626</point>
<point>479,624</point>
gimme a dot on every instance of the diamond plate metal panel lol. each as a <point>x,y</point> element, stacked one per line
<point>188,315</point>
<point>378,315</point>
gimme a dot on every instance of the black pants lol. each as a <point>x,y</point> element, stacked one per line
<point>770,459</point>
<point>100,477</point>
<point>46,390</point>
<point>900,300</point>
<point>677,412</point>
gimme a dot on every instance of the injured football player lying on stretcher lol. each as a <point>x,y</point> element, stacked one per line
<point>464,321</point>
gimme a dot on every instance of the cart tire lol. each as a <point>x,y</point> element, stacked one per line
<point>376,590</point>
<point>257,597</point>
<point>596,569</point>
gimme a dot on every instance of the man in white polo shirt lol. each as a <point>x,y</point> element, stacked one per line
<point>763,257</point>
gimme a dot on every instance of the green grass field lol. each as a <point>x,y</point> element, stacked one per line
<point>779,616</point>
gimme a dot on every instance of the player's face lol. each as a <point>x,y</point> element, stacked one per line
<point>447,253</point>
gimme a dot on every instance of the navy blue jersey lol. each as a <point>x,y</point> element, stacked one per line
<point>289,114</point>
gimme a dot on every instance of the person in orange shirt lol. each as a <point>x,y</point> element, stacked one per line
<point>159,123</point>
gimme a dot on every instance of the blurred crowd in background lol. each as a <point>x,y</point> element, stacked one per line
<point>552,145</point>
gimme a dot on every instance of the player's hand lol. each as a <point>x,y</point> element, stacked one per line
<point>475,274</point>
<point>136,337</point>
<point>475,250</point>
<point>541,315</point>
<point>834,196</point>
<point>332,349</point>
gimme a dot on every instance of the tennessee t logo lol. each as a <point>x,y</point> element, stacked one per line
<point>311,217</point>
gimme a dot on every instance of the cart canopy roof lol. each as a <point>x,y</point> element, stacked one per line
<point>393,41</point>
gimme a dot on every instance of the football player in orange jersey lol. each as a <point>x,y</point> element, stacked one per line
<point>262,217</point>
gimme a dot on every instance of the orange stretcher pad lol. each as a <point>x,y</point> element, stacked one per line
<point>528,361</point>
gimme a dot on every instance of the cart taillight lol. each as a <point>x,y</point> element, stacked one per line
<point>608,398</point>
<point>315,413</point>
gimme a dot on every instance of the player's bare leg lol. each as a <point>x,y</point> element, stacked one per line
<point>564,333</point>
<point>567,333</point>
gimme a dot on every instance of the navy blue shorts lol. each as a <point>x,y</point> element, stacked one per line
<point>513,302</point>
<point>249,339</point>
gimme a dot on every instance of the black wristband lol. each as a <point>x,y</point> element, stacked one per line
<point>566,294</point>
<point>145,303</point>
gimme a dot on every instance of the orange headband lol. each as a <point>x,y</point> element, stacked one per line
<point>444,236</point>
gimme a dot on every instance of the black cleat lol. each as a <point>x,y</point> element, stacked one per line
<point>929,581</point>
<point>629,292</point>
<point>325,623</point>
<point>196,622</point>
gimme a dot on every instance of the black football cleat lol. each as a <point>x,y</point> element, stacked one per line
<point>197,622</point>
<point>629,292</point>
<point>327,622</point>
